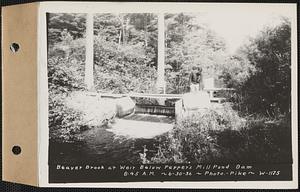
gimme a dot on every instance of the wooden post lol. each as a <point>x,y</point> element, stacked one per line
<point>161,54</point>
<point>89,61</point>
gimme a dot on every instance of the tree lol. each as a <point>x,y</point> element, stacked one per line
<point>191,43</point>
<point>74,23</point>
<point>268,89</point>
<point>125,46</point>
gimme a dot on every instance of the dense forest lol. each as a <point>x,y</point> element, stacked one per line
<point>125,55</point>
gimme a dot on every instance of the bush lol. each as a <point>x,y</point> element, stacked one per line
<point>177,82</point>
<point>64,122</point>
<point>191,139</point>
<point>257,142</point>
<point>130,62</point>
<point>261,72</point>
<point>195,132</point>
<point>222,136</point>
<point>65,75</point>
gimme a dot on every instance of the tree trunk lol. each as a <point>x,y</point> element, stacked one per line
<point>161,54</point>
<point>123,33</point>
<point>125,30</point>
<point>146,32</point>
<point>120,37</point>
<point>89,61</point>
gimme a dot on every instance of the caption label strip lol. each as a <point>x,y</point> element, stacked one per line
<point>60,173</point>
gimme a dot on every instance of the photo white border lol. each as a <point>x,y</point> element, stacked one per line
<point>143,7</point>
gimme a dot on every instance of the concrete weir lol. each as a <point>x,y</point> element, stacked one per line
<point>125,118</point>
<point>119,114</point>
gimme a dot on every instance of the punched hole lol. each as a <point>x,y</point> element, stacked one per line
<point>14,47</point>
<point>16,150</point>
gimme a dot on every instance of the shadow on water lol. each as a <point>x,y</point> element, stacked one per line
<point>100,146</point>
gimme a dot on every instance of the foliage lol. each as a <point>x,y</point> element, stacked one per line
<point>169,150</point>
<point>128,62</point>
<point>63,77</point>
<point>266,85</point>
<point>238,69</point>
<point>190,43</point>
<point>74,23</point>
<point>259,141</point>
<point>194,132</point>
<point>129,29</point>
<point>223,136</point>
<point>191,140</point>
<point>125,47</point>
<point>65,74</point>
<point>65,124</point>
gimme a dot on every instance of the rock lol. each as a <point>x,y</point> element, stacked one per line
<point>125,106</point>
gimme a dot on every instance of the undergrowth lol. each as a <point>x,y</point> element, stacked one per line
<point>218,135</point>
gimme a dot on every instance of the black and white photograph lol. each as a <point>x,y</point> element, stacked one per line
<point>170,96</point>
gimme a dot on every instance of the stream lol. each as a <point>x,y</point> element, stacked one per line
<point>100,145</point>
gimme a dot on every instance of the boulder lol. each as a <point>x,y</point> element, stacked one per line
<point>125,106</point>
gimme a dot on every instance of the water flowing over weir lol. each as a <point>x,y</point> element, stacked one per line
<point>155,110</point>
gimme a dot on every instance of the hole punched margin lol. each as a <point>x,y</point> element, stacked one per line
<point>16,150</point>
<point>14,47</point>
